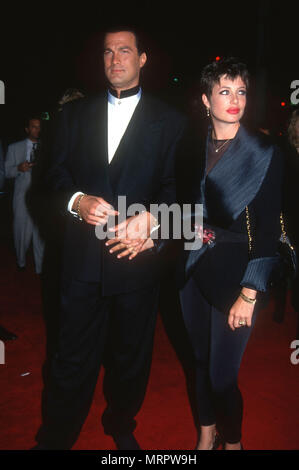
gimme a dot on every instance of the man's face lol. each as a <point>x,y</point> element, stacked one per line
<point>121,60</point>
<point>33,129</point>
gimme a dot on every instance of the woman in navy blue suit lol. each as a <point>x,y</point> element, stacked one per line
<point>237,177</point>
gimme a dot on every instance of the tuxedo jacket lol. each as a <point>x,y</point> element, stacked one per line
<point>248,174</point>
<point>142,169</point>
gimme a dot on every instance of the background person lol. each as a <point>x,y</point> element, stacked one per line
<point>19,163</point>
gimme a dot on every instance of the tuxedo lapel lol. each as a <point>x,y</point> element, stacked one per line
<point>131,130</point>
<point>97,133</point>
<point>94,143</point>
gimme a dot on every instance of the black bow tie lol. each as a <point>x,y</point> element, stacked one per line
<point>125,93</point>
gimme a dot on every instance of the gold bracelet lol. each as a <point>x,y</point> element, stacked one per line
<point>78,206</point>
<point>247,299</point>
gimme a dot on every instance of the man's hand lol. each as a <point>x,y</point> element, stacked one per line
<point>131,250</point>
<point>133,235</point>
<point>94,210</point>
<point>25,166</point>
<point>137,227</point>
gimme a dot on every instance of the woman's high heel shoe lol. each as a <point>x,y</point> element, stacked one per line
<point>217,441</point>
<point>241,446</point>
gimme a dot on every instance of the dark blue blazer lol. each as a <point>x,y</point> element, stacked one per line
<point>248,174</point>
<point>142,169</point>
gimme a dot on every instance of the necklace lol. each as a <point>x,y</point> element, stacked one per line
<point>222,145</point>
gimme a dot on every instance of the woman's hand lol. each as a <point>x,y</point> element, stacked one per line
<point>242,311</point>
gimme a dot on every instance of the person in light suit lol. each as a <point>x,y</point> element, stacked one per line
<point>19,165</point>
<point>119,143</point>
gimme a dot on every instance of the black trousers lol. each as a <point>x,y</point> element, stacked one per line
<point>116,330</point>
<point>218,352</point>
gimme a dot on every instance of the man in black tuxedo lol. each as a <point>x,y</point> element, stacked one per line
<point>120,143</point>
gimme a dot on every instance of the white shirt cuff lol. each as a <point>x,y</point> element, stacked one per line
<point>154,229</point>
<point>156,225</point>
<point>71,202</point>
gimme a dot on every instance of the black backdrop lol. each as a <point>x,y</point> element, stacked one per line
<point>46,49</point>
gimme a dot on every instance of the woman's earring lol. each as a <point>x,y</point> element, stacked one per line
<point>208,112</point>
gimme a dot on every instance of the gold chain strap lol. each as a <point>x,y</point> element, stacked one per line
<point>284,234</point>
<point>248,229</point>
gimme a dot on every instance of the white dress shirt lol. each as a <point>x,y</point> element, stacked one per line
<point>120,111</point>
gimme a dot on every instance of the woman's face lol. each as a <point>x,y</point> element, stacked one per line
<point>228,100</point>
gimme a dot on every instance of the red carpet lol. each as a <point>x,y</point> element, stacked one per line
<point>269,382</point>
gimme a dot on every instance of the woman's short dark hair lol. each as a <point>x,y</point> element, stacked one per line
<point>227,66</point>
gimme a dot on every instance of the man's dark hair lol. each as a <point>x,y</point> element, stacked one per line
<point>228,66</point>
<point>30,118</point>
<point>139,39</point>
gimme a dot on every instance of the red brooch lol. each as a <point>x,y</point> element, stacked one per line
<point>207,235</point>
